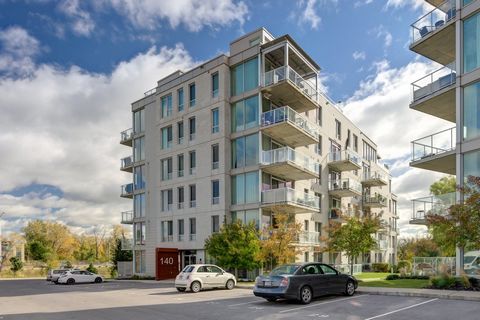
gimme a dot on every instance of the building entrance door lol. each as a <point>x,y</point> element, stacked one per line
<point>189,257</point>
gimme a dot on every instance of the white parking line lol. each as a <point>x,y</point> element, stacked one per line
<point>325,302</point>
<point>405,308</point>
<point>244,303</point>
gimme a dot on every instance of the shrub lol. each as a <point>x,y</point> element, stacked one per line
<point>474,282</point>
<point>67,264</point>
<point>380,267</point>
<point>393,277</point>
<point>446,281</point>
<point>91,268</point>
<point>405,264</point>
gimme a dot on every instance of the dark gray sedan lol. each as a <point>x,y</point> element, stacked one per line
<point>303,282</point>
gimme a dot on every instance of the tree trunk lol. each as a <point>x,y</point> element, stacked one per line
<point>236,273</point>
<point>351,266</point>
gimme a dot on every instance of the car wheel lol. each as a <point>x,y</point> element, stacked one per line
<point>98,280</point>
<point>271,299</point>
<point>181,289</point>
<point>350,288</point>
<point>230,284</point>
<point>196,286</point>
<point>71,281</point>
<point>305,295</point>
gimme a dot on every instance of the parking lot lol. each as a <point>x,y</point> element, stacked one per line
<point>38,299</point>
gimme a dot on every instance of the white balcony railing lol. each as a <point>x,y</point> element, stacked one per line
<point>344,155</point>
<point>345,184</point>
<point>434,144</point>
<point>127,189</point>
<point>433,20</point>
<point>309,237</point>
<point>375,175</point>
<point>126,135</point>
<point>285,154</point>
<point>126,162</point>
<point>127,217</point>
<point>432,205</point>
<point>375,199</point>
<point>282,73</point>
<point>287,114</point>
<point>288,195</point>
<point>434,82</point>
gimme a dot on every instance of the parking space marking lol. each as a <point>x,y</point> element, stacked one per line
<point>320,303</point>
<point>244,303</point>
<point>401,309</point>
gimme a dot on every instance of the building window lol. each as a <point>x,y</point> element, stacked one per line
<point>166,102</point>
<point>167,169</point>
<point>306,225</point>
<point>247,217</point>
<point>139,149</point>
<point>139,205</point>
<point>471,112</point>
<point>319,116</point>
<point>338,129</point>
<point>193,229</point>
<point>140,261</point>
<point>244,76</point>
<point>318,257</point>
<point>245,188</point>
<point>305,254</point>
<point>215,156</point>
<point>139,121</point>
<point>180,165</point>
<point>181,229</point>
<point>245,151</point>
<point>139,233</point>
<point>192,162</point>
<point>318,146</point>
<point>180,99</point>
<point>215,224</point>
<point>215,80</point>
<point>466,2</point>
<point>180,132</point>
<point>245,114</point>
<point>181,197</point>
<point>215,192</point>
<point>167,137</point>
<point>193,195</point>
<point>355,143</point>
<point>215,121</point>
<point>471,164</point>
<point>318,228</point>
<point>167,231</point>
<point>139,177</point>
<point>167,199</point>
<point>471,43</point>
<point>369,153</point>
<point>191,94</point>
<point>191,127</point>
<point>349,136</point>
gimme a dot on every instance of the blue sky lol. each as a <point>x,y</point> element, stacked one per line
<point>69,70</point>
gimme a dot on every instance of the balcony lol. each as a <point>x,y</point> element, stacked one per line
<point>290,201</point>
<point>376,201</point>
<point>126,164</point>
<point>344,188</point>
<point>127,191</point>
<point>335,213</point>
<point>126,137</point>
<point>126,244</point>
<point>289,127</point>
<point>433,35</point>
<point>434,94</point>
<point>289,164</point>
<point>345,160</point>
<point>374,179</point>
<point>431,205</point>
<point>285,86</point>
<point>435,152</point>
<point>127,217</point>
<point>309,238</point>
<point>382,244</point>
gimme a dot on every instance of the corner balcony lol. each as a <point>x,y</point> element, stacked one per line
<point>434,94</point>
<point>376,201</point>
<point>344,188</point>
<point>127,244</point>
<point>285,86</point>
<point>345,160</point>
<point>374,179</point>
<point>127,191</point>
<point>126,137</point>
<point>127,217</point>
<point>290,201</point>
<point>435,152</point>
<point>289,127</point>
<point>433,35</point>
<point>431,205</point>
<point>308,238</point>
<point>289,164</point>
<point>126,164</point>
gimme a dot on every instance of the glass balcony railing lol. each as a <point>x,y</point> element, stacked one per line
<point>434,144</point>
<point>287,114</point>
<point>434,82</point>
<point>126,135</point>
<point>346,184</point>
<point>126,162</point>
<point>288,195</point>
<point>433,20</point>
<point>285,154</point>
<point>282,73</point>
<point>432,205</point>
<point>375,175</point>
<point>375,200</point>
<point>336,213</point>
<point>127,190</point>
<point>127,217</point>
<point>127,244</point>
<point>344,155</point>
<point>309,237</point>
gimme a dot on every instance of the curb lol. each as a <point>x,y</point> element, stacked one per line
<point>441,294</point>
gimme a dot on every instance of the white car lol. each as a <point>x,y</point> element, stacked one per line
<point>201,276</point>
<point>79,276</point>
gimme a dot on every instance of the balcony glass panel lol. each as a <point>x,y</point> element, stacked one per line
<point>344,155</point>
<point>272,77</point>
<point>434,82</point>
<point>287,114</point>
<point>283,195</point>
<point>433,20</point>
<point>434,144</point>
<point>126,135</point>
<point>432,205</point>
<point>344,184</point>
<point>285,154</point>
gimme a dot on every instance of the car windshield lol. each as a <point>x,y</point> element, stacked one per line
<point>188,269</point>
<point>285,269</point>
<point>468,259</point>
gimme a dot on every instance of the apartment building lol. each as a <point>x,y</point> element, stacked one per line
<point>450,36</point>
<point>241,137</point>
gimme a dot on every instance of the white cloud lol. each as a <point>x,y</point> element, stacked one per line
<point>362,3</point>
<point>17,50</point>
<point>62,128</point>
<point>382,32</point>
<point>194,15</point>
<point>413,4</point>
<point>82,23</point>
<point>309,14</point>
<point>359,55</point>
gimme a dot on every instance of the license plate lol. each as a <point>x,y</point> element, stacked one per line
<point>267,283</point>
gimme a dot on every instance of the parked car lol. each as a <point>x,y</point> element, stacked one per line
<point>303,282</point>
<point>54,274</point>
<point>79,276</point>
<point>201,276</point>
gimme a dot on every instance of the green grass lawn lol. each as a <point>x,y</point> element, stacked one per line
<point>371,275</point>
<point>401,283</point>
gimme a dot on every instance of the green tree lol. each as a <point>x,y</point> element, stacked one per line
<point>120,255</point>
<point>37,250</point>
<point>91,268</point>
<point>443,186</point>
<point>354,235</point>
<point>236,246</point>
<point>417,247</point>
<point>15,265</point>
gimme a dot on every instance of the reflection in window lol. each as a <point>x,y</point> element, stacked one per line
<point>471,113</point>
<point>245,114</point>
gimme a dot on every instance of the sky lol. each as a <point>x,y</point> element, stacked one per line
<point>69,70</point>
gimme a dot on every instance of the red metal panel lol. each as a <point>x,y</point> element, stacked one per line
<point>167,266</point>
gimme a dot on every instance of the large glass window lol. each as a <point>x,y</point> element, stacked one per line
<point>193,195</point>
<point>167,137</point>
<point>166,106</point>
<point>471,43</point>
<point>471,111</point>
<point>167,230</point>
<point>139,205</point>
<point>193,229</point>
<point>167,169</point>
<point>215,79</point>
<point>215,224</point>
<point>192,128</point>
<point>139,149</point>
<point>139,177</point>
<point>180,99</point>
<point>465,2</point>
<point>245,76</point>
<point>180,132</point>
<point>181,229</point>
<point>167,199</point>
<point>139,233</point>
<point>215,121</point>
<point>471,164</point>
<point>140,261</point>
<point>215,192</point>
<point>192,94</point>
<point>139,121</point>
<point>247,216</point>
<point>245,151</point>
<point>180,197</point>
<point>215,156</point>
<point>192,161</point>
<point>245,114</point>
<point>180,165</point>
<point>245,188</point>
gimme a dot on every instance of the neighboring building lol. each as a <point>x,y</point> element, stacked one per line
<point>449,35</point>
<point>12,248</point>
<point>237,138</point>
